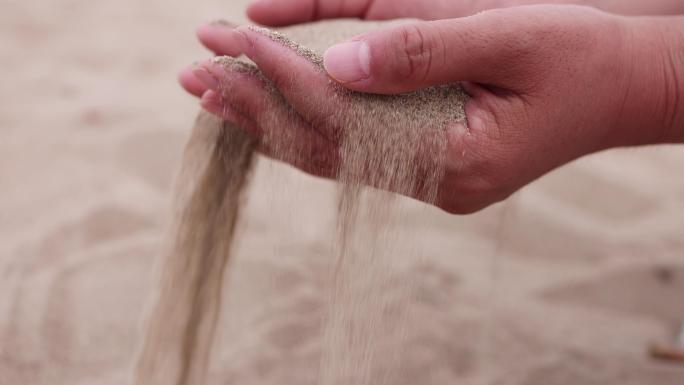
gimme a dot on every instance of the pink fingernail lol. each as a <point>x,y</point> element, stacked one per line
<point>209,80</point>
<point>348,62</point>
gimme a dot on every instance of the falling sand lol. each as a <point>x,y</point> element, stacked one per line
<point>392,143</point>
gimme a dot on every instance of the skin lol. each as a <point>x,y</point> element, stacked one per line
<point>549,83</point>
<point>286,12</point>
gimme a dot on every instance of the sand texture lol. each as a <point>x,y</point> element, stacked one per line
<point>567,284</point>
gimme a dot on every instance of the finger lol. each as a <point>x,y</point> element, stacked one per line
<point>486,48</point>
<point>214,103</point>
<point>297,74</point>
<point>285,12</point>
<point>220,37</point>
<point>283,133</point>
<point>190,82</point>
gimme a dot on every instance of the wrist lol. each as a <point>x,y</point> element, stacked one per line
<point>651,94</point>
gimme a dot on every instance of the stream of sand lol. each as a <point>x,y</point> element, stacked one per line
<point>384,143</point>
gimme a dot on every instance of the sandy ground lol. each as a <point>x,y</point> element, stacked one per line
<point>566,284</point>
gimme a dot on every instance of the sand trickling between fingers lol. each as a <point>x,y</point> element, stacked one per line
<point>177,345</point>
<point>394,143</point>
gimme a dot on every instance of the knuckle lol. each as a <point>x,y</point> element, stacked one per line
<point>255,102</point>
<point>414,52</point>
<point>243,105</point>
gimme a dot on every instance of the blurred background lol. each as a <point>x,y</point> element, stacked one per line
<point>568,283</point>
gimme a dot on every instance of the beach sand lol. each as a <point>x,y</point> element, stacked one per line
<point>566,284</point>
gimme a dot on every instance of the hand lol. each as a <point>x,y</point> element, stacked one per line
<point>286,12</point>
<point>548,84</point>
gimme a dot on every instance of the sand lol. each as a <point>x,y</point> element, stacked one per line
<point>86,171</point>
<point>383,142</point>
<point>216,167</point>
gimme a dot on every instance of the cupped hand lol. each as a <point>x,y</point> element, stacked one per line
<point>548,84</point>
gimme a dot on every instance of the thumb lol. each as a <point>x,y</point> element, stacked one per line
<point>409,57</point>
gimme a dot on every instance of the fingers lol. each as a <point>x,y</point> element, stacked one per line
<point>190,82</point>
<point>300,79</point>
<point>487,48</point>
<point>214,103</point>
<point>286,12</point>
<point>297,75</point>
<point>249,102</point>
<point>221,38</point>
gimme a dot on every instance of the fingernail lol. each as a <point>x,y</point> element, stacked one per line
<point>348,62</point>
<point>221,23</point>
<point>216,32</point>
<point>221,29</point>
<point>209,80</point>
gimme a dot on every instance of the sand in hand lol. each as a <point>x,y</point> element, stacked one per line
<point>389,142</point>
<point>85,186</point>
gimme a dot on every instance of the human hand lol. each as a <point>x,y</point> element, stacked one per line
<point>548,84</point>
<point>286,12</point>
